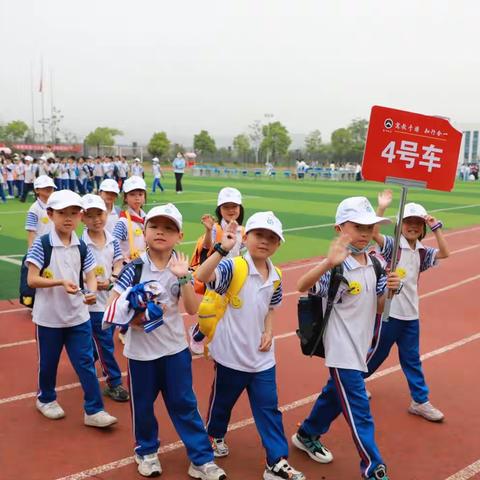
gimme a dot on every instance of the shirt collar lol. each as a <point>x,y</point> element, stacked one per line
<point>133,212</point>
<point>56,242</point>
<point>148,261</point>
<point>404,244</point>
<point>252,270</point>
<point>352,263</point>
<point>86,237</point>
<point>41,204</point>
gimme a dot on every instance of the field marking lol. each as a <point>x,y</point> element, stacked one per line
<point>279,337</point>
<point>467,472</point>
<point>18,344</point>
<point>284,408</point>
<point>7,259</point>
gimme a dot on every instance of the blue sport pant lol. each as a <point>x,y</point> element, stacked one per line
<point>406,334</point>
<point>345,393</point>
<point>103,349</point>
<point>171,375</point>
<point>78,343</point>
<point>262,393</point>
<point>156,183</point>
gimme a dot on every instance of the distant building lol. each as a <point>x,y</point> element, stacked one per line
<point>470,147</point>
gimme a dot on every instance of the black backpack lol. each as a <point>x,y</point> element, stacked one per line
<point>312,321</point>
<point>27,293</point>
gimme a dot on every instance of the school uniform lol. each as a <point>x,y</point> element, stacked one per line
<point>347,339</point>
<point>159,361</point>
<point>112,219</point>
<point>64,176</point>
<point>137,170</point>
<point>37,219</point>
<point>62,320</point>
<point>239,364</point>
<point>403,326</point>
<point>28,181</point>
<point>72,176</point>
<point>105,258</point>
<point>20,178</point>
<point>121,231</point>
<point>98,174</point>
<point>156,178</point>
<point>10,168</point>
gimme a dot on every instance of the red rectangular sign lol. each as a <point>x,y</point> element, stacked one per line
<point>411,148</point>
<point>41,147</point>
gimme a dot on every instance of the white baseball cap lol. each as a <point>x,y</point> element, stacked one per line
<point>28,158</point>
<point>266,220</point>
<point>136,159</point>
<point>93,201</point>
<point>414,210</point>
<point>155,160</point>
<point>43,181</point>
<point>229,195</point>
<point>64,199</point>
<point>169,210</point>
<point>109,185</point>
<point>358,210</point>
<point>134,183</point>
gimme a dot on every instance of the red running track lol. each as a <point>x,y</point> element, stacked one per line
<point>32,447</point>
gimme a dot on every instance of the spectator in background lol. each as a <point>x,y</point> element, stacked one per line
<point>178,169</point>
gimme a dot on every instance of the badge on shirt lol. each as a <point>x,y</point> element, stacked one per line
<point>401,272</point>
<point>138,232</point>
<point>47,273</point>
<point>354,288</point>
<point>99,271</point>
<point>45,220</point>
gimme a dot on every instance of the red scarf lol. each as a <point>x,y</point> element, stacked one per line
<point>133,217</point>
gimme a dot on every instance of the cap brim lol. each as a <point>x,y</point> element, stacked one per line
<point>369,220</point>
<point>279,235</point>
<point>174,220</point>
<point>66,205</point>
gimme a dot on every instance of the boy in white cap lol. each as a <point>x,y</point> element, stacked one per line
<point>243,346</point>
<point>109,261</point>
<point>129,227</point>
<point>156,175</point>
<point>29,177</point>
<point>348,336</point>
<point>109,192</point>
<point>403,326</point>
<point>57,263</point>
<point>159,361</point>
<point>38,222</point>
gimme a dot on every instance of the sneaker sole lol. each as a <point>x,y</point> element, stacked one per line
<point>199,475</point>
<point>302,447</point>
<point>414,412</point>
<point>106,425</point>
<point>56,417</point>
<point>219,455</point>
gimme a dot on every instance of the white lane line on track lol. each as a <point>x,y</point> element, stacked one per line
<point>467,472</point>
<point>284,408</point>
<point>279,337</point>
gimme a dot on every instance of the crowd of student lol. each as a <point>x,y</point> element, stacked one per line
<point>124,272</point>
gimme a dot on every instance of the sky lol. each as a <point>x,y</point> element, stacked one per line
<point>150,65</point>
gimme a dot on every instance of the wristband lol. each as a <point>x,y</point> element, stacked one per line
<point>218,248</point>
<point>186,279</point>
<point>436,226</point>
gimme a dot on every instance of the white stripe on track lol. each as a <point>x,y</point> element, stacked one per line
<point>467,472</point>
<point>18,344</point>
<point>284,408</point>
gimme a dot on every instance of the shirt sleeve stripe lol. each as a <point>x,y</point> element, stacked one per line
<point>89,262</point>
<point>31,222</point>
<point>125,279</point>
<point>120,231</point>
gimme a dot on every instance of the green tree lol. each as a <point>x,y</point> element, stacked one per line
<point>358,129</point>
<point>102,136</point>
<point>159,144</point>
<point>16,130</point>
<point>3,135</point>
<point>276,140</point>
<point>342,145</point>
<point>203,143</point>
<point>241,145</point>
<point>177,148</point>
<point>313,143</point>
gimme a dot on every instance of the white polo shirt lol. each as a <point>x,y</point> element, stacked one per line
<point>29,173</point>
<point>53,306</point>
<point>238,335</point>
<point>63,168</point>
<point>405,305</point>
<point>37,219</point>
<point>105,257</point>
<point>120,232</point>
<point>167,339</point>
<point>112,219</point>
<point>349,331</point>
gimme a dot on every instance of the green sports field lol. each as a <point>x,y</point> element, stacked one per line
<point>306,209</point>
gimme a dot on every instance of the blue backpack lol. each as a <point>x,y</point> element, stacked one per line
<point>27,293</point>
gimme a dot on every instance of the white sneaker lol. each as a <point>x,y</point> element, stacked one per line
<point>50,410</point>
<point>100,419</point>
<point>313,447</point>
<point>426,410</point>
<point>148,465</point>
<point>282,469</point>
<point>196,347</point>
<point>220,448</point>
<point>208,471</point>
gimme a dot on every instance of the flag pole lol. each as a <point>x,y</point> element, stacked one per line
<point>32,101</point>
<point>43,102</point>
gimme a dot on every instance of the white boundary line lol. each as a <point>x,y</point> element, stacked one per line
<point>284,408</point>
<point>277,337</point>
<point>467,472</point>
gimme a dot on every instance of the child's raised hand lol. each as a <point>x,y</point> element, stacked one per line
<point>385,199</point>
<point>338,250</point>
<point>208,221</point>
<point>179,265</point>
<point>70,287</point>
<point>431,221</point>
<point>230,236</point>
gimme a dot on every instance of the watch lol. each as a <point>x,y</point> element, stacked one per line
<point>218,248</point>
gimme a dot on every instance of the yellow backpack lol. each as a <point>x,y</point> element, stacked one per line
<point>213,305</point>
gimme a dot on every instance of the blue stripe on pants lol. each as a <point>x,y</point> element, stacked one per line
<point>406,334</point>
<point>104,348</point>
<point>262,394</point>
<point>345,393</point>
<point>171,375</point>
<point>78,343</point>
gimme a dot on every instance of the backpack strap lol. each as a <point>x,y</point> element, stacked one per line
<point>277,283</point>
<point>377,266</point>
<point>240,274</point>
<point>82,247</point>
<point>47,251</point>
<point>138,266</point>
